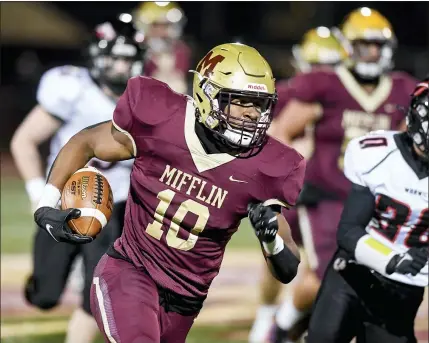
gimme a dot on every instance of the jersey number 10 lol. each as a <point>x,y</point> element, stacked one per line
<point>155,229</point>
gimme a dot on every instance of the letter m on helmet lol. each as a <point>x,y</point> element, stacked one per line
<point>208,63</point>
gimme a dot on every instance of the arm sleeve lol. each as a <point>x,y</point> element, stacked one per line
<point>58,90</point>
<point>358,211</point>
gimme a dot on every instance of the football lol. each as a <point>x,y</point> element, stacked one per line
<point>89,191</point>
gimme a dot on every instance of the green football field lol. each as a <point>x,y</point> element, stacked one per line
<point>17,229</point>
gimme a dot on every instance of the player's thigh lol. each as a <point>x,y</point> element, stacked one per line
<point>175,327</point>
<point>393,307</point>
<point>125,302</point>
<point>372,333</point>
<point>336,311</point>
<point>318,227</point>
<point>93,251</point>
<point>52,263</point>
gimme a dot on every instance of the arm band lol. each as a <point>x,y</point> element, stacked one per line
<point>357,213</point>
<point>274,247</point>
<point>284,263</point>
<point>373,254</point>
<point>50,197</point>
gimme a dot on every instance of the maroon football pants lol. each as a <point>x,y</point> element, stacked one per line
<point>125,304</point>
<point>316,227</point>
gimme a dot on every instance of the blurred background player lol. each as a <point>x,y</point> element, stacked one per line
<point>168,57</point>
<point>360,96</point>
<point>69,99</point>
<point>380,269</point>
<point>319,48</point>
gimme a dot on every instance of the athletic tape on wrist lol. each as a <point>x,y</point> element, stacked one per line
<point>274,247</point>
<point>50,197</point>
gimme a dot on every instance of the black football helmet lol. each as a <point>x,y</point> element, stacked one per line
<point>418,118</point>
<point>116,53</point>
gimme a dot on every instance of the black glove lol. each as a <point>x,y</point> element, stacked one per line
<point>264,222</point>
<point>410,262</point>
<point>54,222</point>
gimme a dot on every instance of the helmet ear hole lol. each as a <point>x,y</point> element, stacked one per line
<point>199,98</point>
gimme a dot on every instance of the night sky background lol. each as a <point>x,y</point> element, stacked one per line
<point>272,27</point>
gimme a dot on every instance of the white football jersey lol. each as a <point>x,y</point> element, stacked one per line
<point>401,217</point>
<point>70,94</point>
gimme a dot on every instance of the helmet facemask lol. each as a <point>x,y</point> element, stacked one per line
<point>118,62</point>
<point>418,122</point>
<point>372,69</point>
<point>235,128</point>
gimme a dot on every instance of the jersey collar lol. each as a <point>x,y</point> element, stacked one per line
<point>417,165</point>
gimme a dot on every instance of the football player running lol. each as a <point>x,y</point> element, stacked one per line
<point>375,283</point>
<point>201,165</point>
<point>355,98</point>
<point>69,99</point>
<point>168,57</point>
<point>318,49</point>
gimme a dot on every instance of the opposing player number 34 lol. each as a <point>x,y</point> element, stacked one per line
<point>155,229</point>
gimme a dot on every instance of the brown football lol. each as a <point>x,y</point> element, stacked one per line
<point>88,190</point>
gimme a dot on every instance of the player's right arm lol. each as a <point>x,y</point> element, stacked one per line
<point>56,93</point>
<point>103,141</point>
<point>358,210</point>
<point>108,141</point>
<point>36,128</point>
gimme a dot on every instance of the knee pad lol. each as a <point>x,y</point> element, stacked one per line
<point>42,299</point>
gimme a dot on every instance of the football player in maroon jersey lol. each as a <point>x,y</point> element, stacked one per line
<point>169,57</point>
<point>201,165</point>
<point>355,98</point>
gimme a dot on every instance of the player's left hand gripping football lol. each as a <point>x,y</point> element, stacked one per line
<point>410,262</point>
<point>54,222</point>
<point>264,222</point>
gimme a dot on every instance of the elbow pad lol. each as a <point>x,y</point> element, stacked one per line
<point>285,265</point>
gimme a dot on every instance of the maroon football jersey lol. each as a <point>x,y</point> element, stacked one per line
<point>348,111</point>
<point>182,59</point>
<point>184,204</point>
<point>284,94</point>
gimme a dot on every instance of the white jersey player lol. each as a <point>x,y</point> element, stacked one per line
<point>379,272</point>
<point>71,95</point>
<point>71,99</point>
<point>379,162</point>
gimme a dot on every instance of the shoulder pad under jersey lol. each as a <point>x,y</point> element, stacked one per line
<point>155,101</point>
<point>59,88</point>
<point>282,171</point>
<point>366,152</point>
<point>403,81</point>
<point>311,87</point>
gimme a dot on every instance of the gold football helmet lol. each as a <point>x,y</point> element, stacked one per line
<point>362,28</point>
<point>234,74</point>
<point>318,47</point>
<point>161,22</point>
